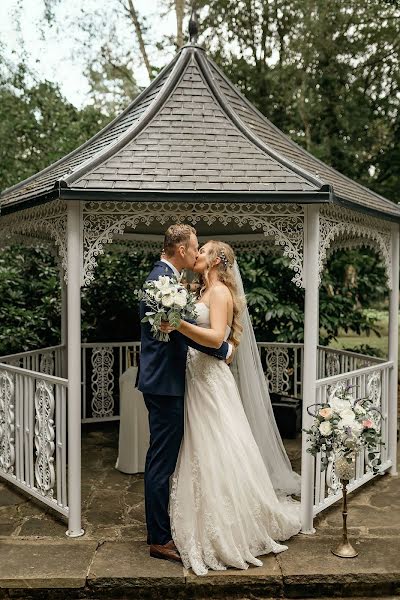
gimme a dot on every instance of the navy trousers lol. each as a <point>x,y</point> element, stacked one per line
<point>166,432</point>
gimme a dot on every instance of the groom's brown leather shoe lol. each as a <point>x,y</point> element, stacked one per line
<point>166,551</point>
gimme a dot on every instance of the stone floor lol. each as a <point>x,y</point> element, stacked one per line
<point>37,560</point>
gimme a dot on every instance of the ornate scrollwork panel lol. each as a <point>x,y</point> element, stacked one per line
<point>281,222</point>
<point>343,228</point>
<point>44,438</point>
<point>7,422</point>
<point>44,224</point>
<point>332,480</point>
<point>47,363</point>
<point>102,382</point>
<point>277,362</point>
<point>332,365</point>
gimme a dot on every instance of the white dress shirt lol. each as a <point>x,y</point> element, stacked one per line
<point>171,266</point>
<point>177,274</point>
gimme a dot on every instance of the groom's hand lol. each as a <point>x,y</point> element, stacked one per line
<point>231,355</point>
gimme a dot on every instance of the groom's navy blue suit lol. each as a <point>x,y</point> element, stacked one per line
<point>162,382</point>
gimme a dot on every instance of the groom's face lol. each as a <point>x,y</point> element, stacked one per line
<point>191,253</point>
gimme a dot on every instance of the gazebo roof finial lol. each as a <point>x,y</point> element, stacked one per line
<point>193,25</point>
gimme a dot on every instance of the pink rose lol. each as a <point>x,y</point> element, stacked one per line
<point>326,413</point>
<point>368,424</point>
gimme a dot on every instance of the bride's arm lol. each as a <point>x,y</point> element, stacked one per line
<point>214,336</point>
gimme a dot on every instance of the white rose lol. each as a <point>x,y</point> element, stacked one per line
<point>167,301</point>
<point>325,428</point>
<point>180,300</point>
<point>162,283</point>
<point>359,409</point>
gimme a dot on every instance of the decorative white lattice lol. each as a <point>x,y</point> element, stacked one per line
<point>332,365</point>
<point>104,220</point>
<point>332,480</point>
<point>281,223</point>
<point>47,363</point>
<point>44,224</point>
<point>44,438</point>
<point>102,382</point>
<point>7,422</point>
<point>344,228</point>
<point>277,363</point>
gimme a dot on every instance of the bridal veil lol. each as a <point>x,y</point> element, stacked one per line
<point>253,387</point>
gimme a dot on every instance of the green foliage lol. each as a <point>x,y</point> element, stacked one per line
<point>30,300</point>
<point>275,304</point>
<point>38,126</point>
<point>109,304</point>
<point>30,297</point>
<point>326,73</point>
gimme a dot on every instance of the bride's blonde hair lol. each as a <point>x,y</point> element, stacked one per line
<point>226,275</point>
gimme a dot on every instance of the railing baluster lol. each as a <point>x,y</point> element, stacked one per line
<point>59,443</point>
<point>27,408</point>
<point>30,430</point>
<point>64,444</point>
<point>84,382</point>
<point>317,478</point>
<point>19,428</point>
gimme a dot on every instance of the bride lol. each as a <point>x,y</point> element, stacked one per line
<point>223,506</point>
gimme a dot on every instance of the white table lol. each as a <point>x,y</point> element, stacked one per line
<point>133,426</point>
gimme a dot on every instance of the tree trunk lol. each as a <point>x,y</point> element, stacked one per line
<point>179,11</point>
<point>135,20</point>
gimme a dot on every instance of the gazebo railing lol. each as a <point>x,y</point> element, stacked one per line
<point>334,361</point>
<point>33,415</point>
<point>46,360</point>
<point>283,366</point>
<point>372,382</point>
<point>104,362</point>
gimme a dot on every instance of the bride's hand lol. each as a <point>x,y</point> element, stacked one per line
<point>165,327</point>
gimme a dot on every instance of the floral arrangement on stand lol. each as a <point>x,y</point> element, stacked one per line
<point>343,426</point>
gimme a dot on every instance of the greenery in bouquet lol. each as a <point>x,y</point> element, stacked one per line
<point>166,300</point>
<point>343,426</point>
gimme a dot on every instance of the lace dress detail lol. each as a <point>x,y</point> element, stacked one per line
<point>224,510</point>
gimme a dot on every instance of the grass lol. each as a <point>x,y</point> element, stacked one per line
<point>350,340</point>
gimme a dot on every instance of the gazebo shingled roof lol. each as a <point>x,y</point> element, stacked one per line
<point>191,134</point>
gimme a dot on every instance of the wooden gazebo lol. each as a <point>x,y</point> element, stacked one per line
<point>189,148</point>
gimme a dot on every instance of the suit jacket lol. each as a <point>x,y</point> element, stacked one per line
<point>163,364</point>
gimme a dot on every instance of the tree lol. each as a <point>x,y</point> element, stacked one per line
<point>326,73</point>
<point>38,126</point>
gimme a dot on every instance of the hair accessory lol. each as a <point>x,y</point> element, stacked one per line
<point>224,260</point>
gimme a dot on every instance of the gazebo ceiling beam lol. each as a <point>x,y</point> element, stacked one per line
<point>324,196</point>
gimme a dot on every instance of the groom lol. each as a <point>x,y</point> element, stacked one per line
<point>162,382</point>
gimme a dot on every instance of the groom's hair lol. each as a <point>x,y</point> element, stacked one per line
<point>177,235</point>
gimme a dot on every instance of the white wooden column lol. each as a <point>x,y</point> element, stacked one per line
<point>394,350</point>
<point>311,333</point>
<point>64,325</point>
<point>74,368</point>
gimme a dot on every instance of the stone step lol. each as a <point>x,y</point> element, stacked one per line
<point>79,568</point>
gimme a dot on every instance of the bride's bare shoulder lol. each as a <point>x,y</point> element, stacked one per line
<point>220,291</point>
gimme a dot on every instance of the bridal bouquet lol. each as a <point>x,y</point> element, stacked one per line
<point>167,300</point>
<point>343,426</point>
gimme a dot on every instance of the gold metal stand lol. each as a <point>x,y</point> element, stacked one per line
<point>345,549</point>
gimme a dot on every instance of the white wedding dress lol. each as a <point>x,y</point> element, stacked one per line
<point>223,508</point>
